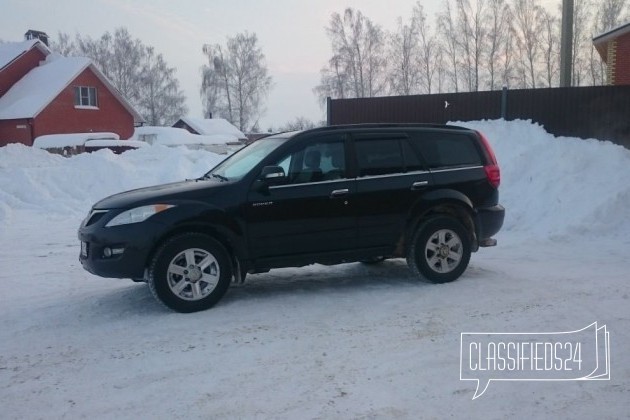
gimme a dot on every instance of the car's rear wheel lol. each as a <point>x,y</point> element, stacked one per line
<point>190,272</point>
<point>440,250</point>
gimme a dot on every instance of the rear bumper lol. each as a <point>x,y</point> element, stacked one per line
<point>489,221</point>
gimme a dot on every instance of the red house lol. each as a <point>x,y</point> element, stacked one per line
<point>44,93</point>
<point>614,48</point>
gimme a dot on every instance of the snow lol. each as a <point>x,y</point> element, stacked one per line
<point>170,136</point>
<point>114,143</point>
<point>213,126</point>
<point>50,141</point>
<point>40,86</point>
<point>348,341</point>
<point>9,51</point>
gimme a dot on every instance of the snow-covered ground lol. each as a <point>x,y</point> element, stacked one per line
<point>349,341</point>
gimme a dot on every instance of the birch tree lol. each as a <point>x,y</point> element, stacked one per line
<point>236,81</point>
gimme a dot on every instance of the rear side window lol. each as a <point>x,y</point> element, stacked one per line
<point>379,156</point>
<point>447,149</point>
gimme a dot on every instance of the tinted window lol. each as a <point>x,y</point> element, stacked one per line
<point>412,160</point>
<point>323,160</point>
<point>379,156</point>
<point>447,149</point>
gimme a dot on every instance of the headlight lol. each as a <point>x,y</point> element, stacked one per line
<point>137,215</point>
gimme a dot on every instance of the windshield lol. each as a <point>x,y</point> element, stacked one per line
<point>240,163</point>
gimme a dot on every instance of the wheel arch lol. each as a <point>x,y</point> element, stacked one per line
<point>440,202</point>
<point>233,242</point>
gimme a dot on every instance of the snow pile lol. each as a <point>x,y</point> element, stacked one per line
<point>550,186</point>
<point>52,141</point>
<point>35,180</point>
<point>557,185</point>
<point>170,136</point>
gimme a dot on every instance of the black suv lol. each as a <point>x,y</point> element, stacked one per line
<point>427,193</point>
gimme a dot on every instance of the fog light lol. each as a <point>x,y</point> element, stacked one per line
<point>107,252</point>
<point>117,251</point>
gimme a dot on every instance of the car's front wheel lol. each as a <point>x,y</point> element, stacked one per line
<point>190,272</point>
<point>440,250</point>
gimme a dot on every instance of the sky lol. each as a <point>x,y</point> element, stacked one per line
<point>291,34</point>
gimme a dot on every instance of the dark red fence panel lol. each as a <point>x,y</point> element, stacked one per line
<point>601,112</point>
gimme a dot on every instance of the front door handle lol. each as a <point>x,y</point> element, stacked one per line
<point>339,193</point>
<point>419,185</point>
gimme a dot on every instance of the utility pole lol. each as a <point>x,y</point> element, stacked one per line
<point>566,44</point>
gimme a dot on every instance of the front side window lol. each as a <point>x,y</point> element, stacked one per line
<point>85,96</point>
<point>323,160</point>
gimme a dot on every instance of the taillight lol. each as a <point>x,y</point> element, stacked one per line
<point>493,173</point>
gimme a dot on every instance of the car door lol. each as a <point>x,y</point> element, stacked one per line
<point>390,178</point>
<point>311,212</point>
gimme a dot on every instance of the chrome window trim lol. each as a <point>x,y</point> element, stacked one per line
<point>329,181</point>
<point>457,169</point>
<point>368,177</point>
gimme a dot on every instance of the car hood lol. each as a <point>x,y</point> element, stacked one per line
<point>191,190</point>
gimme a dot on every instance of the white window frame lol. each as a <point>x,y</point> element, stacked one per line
<point>85,97</point>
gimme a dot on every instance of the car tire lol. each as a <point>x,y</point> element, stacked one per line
<point>440,250</point>
<point>190,272</point>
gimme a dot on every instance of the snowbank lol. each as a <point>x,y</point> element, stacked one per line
<point>170,136</point>
<point>53,141</point>
<point>550,186</point>
<point>35,180</point>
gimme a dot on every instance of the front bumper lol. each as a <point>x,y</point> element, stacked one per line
<point>135,240</point>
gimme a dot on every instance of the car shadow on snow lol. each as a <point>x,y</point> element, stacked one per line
<point>319,278</point>
<point>136,299</point>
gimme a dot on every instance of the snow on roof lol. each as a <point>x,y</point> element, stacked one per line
<point>50,141</point>
<point>40,86</point>
<point>171,136</point>
<point>214,126</point>
<point>32,93</point>
<point>9,51</point>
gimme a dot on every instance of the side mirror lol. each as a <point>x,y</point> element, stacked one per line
<point>273,175</point>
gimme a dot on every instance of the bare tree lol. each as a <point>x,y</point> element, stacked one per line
<point>527,26</point>
<point>235,82</point>
<point>471,39</point>
<point>161,101</point>
<point>448,31</point>
<point>498,15</point>
<point>581,40</point>
<point>140,74</point>
<point>404,76</point>
<point>358,65</point>
<point>550,42</point>
<point>429,55</point>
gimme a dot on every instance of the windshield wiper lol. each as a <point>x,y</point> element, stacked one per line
<point>221,177</point>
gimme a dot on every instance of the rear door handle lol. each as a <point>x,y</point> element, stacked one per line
<point>419,185</point>
<point>339,193</point>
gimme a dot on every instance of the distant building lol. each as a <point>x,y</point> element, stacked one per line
<point>210,127</point>
<point>44,93</point>
<point>614,48</point>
